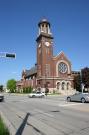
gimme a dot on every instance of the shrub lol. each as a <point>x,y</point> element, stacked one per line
<point>27,90</point>
<point>30,89</point>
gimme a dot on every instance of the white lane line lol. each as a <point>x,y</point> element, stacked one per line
<point>63,105</point>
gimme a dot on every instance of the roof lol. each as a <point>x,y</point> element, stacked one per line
<point>30,72</point>
<point>44,20</point>
<point>63,54</point>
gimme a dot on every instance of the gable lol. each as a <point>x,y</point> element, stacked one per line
<point>61,56</point>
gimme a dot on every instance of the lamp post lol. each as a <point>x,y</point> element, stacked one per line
<point>53,77</point>
<point>82,84</point>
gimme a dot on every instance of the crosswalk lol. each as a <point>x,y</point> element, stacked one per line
<point>69,104</point>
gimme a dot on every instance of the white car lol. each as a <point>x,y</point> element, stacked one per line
<point>36,94</point>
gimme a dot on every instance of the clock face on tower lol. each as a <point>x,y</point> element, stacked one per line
<point>47,43</point>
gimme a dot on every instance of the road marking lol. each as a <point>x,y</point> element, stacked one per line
<point>40,111</point>
<point>67,104</point>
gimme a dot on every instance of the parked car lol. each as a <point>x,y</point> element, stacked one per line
<point>1,97</point>
<point>82,97</point>
<point>36,94</point>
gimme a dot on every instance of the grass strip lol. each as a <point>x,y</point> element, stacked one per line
<point>3,129</point>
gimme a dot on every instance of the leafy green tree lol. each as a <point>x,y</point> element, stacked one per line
<point>77,83</point>
<point>85,77</point>
<point>1,88</point>
<point>11,85</point>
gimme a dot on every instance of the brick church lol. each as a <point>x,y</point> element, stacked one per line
<point>52,72</point>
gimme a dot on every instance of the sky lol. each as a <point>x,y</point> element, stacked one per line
<point>19,28</point>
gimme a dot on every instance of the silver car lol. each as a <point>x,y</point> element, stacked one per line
<point>82,97</point>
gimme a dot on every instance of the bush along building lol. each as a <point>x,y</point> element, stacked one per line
<point>50,72</point>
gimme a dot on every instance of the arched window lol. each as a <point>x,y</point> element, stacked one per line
<point>63,85</point>
<point>42,25</point>
<point>58,84</point>
<point>68,86</point>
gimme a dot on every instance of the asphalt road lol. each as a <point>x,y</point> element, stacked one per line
<point>51,115</point>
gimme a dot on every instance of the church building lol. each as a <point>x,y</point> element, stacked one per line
<point>51,72</point>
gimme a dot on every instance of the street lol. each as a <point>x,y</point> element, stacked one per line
<point>51,115</point>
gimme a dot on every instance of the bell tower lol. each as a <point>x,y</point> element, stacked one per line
<point>44,50</point>
<point>44,27</point>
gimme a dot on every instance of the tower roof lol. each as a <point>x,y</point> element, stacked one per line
<point>44,20</point>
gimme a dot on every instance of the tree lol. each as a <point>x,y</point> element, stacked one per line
<point>11,85</point>
<point>1,88</point>
<point>85,77</point>
<point>77,82</point>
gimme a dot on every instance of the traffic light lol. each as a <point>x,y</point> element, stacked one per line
<point>10,55</point>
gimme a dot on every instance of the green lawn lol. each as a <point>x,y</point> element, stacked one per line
<point>3,129</point>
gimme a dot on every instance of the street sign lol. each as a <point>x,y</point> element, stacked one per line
<point>10,55</point>
<point>7,55</point>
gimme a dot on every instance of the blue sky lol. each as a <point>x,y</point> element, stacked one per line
<point>18,31</point>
